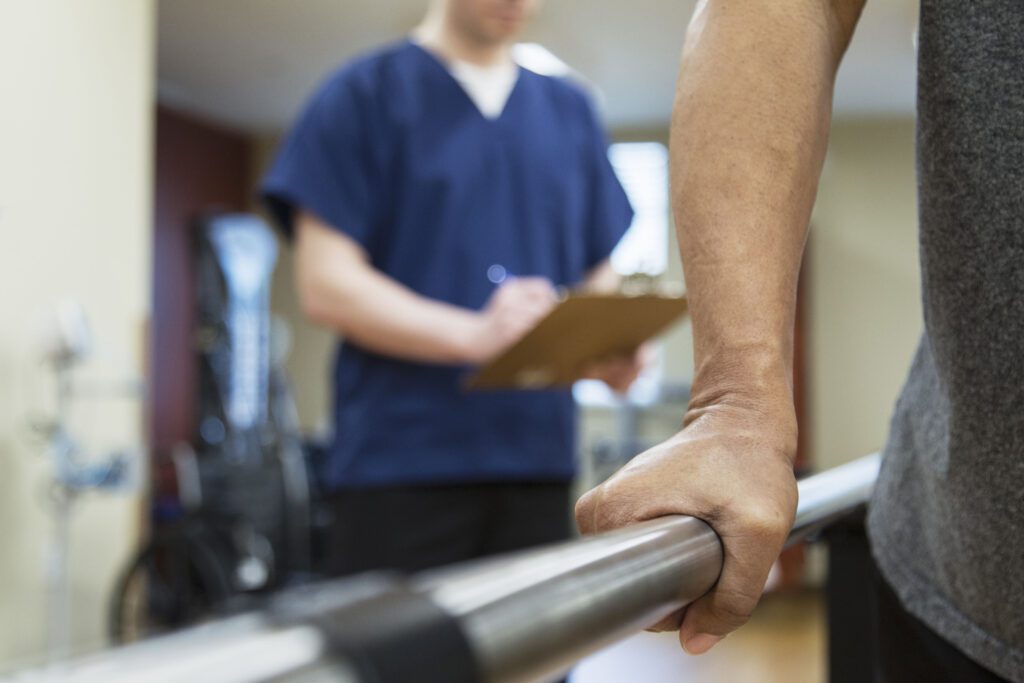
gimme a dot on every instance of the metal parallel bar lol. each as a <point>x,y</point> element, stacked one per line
<point>242,649</point>
<point>524,617</point>
<point>536,613</point>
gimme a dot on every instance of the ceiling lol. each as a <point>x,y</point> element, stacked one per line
<point>251,63</point>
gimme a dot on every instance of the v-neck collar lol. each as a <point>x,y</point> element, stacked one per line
<point>439,63</point>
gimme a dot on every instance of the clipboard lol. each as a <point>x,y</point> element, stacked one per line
<point>579,331</point>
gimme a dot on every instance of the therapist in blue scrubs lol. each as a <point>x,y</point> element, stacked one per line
<point>438,194</point>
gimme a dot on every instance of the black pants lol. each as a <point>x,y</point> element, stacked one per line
<point>410,528</point>
<point>910,651</point>
<point>872,638</point>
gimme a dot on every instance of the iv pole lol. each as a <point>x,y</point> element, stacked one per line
<point>66,346</point>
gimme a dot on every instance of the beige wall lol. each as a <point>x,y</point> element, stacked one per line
<point>75,208</point>
<point>865,313</point>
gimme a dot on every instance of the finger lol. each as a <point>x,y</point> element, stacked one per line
<point>531,307</point>
<point>513,290</point>
<point>744,572</point>
<point>619,362</point>
<point>532,313</point>
<point>669,623</point>
<point>536,287</point>
<point>523,318</point>
<point>621,383</point>
<point>537,299</point>
<point>543,305</point>
<point>527,283</point>
<point>619,377</point>
<point>606,368</point>
<point>613,377</point>
<point>645,354</point>
<point>529,298</point>
<point>630,375</point>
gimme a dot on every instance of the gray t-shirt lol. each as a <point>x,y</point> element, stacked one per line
<point>947,520</point>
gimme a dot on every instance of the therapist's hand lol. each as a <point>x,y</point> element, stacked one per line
<point>514,309</point>
<point>619,372</point>
<point>731,466</point>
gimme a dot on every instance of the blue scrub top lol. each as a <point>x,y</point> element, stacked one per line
<point>392,152</point>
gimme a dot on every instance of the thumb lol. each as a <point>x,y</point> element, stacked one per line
<point>710,619</point>
<point>733,599</point>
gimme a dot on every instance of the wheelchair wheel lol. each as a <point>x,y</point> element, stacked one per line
<point>180,578</point>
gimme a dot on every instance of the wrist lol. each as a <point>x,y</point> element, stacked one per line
<point>750,394</point>
<point>768,426</point>
<point>747,374</point>
<point>466,335</point>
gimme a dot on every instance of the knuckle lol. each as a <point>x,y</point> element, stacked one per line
<point>768,521</point>
<point>606,518</point>
<point>733,609</point>
<point>584,511</point>
<point>599,511</point>
<point>732,616</point>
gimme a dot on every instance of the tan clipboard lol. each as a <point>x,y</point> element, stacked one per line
<point>581,330</point>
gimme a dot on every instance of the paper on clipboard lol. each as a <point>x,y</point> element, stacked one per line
<point>581,330</point>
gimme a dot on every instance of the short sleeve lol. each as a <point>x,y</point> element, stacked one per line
<point>326,164</point>
<point>610,213</point>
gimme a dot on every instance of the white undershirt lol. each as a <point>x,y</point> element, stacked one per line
<point>488,86</point>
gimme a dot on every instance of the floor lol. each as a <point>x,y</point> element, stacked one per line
<point>784,642</point>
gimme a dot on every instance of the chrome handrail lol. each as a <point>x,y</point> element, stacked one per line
<point>521,617</point>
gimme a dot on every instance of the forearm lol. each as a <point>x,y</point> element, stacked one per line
<point>748,141</point>
<point>341,291</point>
<point>381,315</point>
<point>749,135</point>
